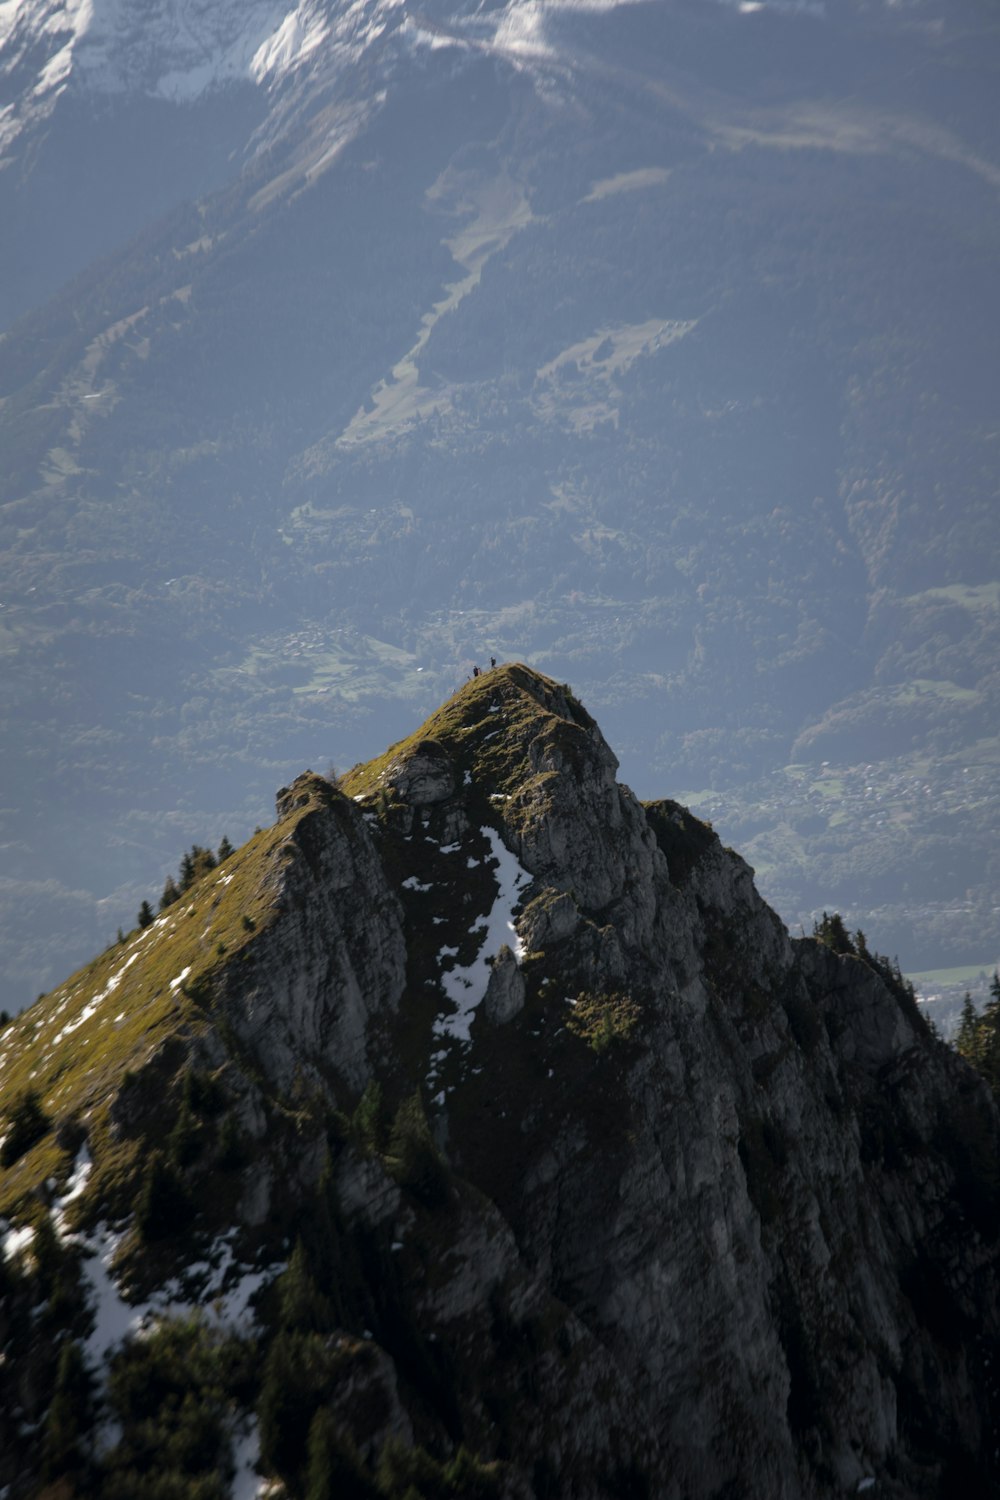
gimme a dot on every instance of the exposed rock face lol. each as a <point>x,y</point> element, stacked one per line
<point>651,1200</point>
<point>333,960</point>
<point>504,996</point>
<point>425,777</point>
<point>733,1205</point>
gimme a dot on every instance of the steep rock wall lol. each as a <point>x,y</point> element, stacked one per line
<point>330,964</point>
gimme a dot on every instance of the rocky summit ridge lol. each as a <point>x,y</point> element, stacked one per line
<point>477,1130</point>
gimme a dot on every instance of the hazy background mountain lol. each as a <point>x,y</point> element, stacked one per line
<point>654,344</point>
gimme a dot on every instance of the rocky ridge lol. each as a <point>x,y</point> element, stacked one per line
<point>503,1105</point>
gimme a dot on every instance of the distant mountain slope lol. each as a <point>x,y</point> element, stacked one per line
<point>655,344</point>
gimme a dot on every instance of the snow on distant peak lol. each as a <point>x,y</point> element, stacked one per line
<point>167,49</point>
<point>524,31</point>
<point>300,33</point>
<point>180,49</point>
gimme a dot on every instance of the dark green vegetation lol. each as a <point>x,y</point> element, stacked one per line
<point>832,933</point>
<point>978,1037</point>
<point>180,1396</point>
<point>26,1123</point>
<point>712,433</point>
<point>603,1020</point>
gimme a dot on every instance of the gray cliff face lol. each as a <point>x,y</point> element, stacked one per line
<point>603,1176</point>
<point>332,962</point>
<point>752,1207</point>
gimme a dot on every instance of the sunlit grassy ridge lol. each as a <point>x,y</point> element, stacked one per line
<point>73,1047</point>
<point>470,728</point>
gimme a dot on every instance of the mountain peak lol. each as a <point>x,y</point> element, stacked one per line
<point>492,731</point>
<point>515,1064</point>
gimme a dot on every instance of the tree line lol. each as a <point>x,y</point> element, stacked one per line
<point>197,862</point>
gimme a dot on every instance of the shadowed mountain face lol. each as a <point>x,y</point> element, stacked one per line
<point>476,1130</point>
<point>653,343</point>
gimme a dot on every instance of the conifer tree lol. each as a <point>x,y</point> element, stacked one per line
<point>370,1120</point>
<point>303,1307</point>
<point>988,1059</point>
<point>146,916</point>
<point>292,1382</point>
<point>967,1036</point>
<point>185,1140</point>
<point>170,893</point>
<point>978,1037</point>
<point>225,849</point>
<point>27,1122</point>
<point>831,931</point>
<point>162,1205</point>
<point>195,863</point>
<point>412,1156</point>
<point>69,1423</point>
<point>335,1470</point>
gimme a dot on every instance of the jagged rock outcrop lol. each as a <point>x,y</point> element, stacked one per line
<point>592,1168</point>
<point>332,961</point>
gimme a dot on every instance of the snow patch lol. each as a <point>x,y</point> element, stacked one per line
<point>297,38</point>
<point>247,1483</point>
<point>16,1240</point>
<point>466,986</point>
<point>344,33</point>
<point>218,1284</point>
<point>55,72</point>
<point>92,1005</point>
<point>206,1285</point>
<point>75,1187</point>
<point>425,36</point>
